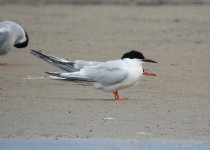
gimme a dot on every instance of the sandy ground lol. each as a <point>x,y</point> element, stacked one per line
<point>173,105</point>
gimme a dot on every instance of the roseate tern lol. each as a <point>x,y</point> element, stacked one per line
<point>108,76</point>
<point>12,34</point>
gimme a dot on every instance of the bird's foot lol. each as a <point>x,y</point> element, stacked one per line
<point>117,97</point>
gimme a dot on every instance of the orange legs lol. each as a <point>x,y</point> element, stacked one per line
<point>116,95</point>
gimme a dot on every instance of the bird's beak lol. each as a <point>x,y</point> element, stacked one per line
<point>149,74</point>
<point>148,60</point>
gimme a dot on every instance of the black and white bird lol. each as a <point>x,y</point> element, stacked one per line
<point>12,35</point>
<point>108,76</point>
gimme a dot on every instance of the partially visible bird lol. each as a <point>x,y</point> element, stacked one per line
<point>108,76</point>
<point>12,34</point>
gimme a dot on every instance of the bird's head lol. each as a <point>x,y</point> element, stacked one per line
<point>138,55</point>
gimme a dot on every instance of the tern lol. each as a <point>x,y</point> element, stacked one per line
<point>109,76</point>
<point>12,34</point>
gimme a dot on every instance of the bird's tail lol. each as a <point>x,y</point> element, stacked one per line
<point>60,63</point>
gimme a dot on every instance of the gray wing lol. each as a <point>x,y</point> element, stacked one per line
<point>106,75</point>
<point>3,42</point>
<point>82,63</point>
<point>3,36</point>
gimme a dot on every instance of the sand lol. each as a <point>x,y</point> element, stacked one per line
<point>173,105</point>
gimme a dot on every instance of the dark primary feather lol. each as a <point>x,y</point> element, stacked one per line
<point>67,66</point>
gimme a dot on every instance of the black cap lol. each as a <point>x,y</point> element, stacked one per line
<point>133,55</point>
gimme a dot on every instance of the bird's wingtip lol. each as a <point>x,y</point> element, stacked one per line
<point>36,52</point>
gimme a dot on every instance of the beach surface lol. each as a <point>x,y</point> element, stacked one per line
<point>173,105</point>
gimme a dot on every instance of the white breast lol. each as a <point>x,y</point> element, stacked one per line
<point>135,71</point>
